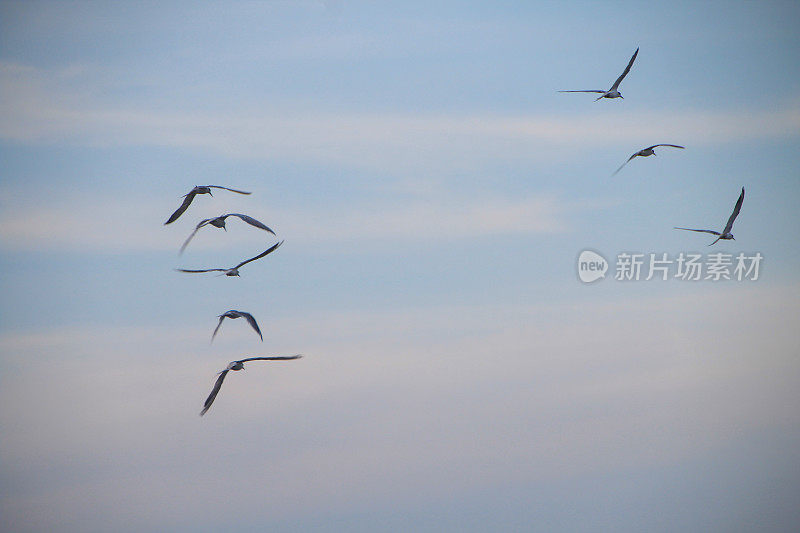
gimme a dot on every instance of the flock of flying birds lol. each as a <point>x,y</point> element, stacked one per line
<point>219,222</point>
<point>613,92</point>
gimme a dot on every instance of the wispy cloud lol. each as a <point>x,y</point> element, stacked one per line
<point>110,224</point>
<point>43,106</point>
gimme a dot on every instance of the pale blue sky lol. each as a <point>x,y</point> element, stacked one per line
<point>434,190</point>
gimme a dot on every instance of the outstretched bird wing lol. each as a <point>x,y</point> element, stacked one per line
<point>227,189</point>
<point>221,378</point>
<point>259,256</point>
<point>214,391</point>
<point>216,329</point>
<point>735,213</point>
<point>625,163</point>
<point>273,358</point>
<point>251,221</point>
<point>625,72</point>
<point>252,321</point>
<point>712,232</point>
<point>190,237</point>
<point>657,145</point>
<point>187,199</point>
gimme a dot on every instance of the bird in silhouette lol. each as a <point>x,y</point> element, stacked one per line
<point>726,233</point>
<point>238,365</point>
<point>189,196</point>
<point>234,271</point>
<point>613,92</point>
<point>219,222</point>
<point>233,313</point>
<point>645,152</point>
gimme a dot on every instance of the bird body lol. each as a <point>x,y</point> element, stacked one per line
<point>233,313</point>
<point>238,365</point>
<point>218,222</point>
<point>613,92</point>
<point>726,234</point>
<point>189,196</point>
<point>234,271</point>
<point>646,152</point>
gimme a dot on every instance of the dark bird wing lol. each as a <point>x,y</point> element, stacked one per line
<point>214,391</point>
<point>712,232</point>
<point>251,221</point>
<point>625,163</point>
<point>262,254</point>
<point>205,270</point>
<point>187,199</point>
<point>625,72</point>
<point>273,358</point>
<point>657,145</point>
<point>200,225</point>
<point>227,189</point>
<point>252,322</point>
<point>735,213</point>
<point>216,329</point>
<point>587,91</point>
<point>189,238</point>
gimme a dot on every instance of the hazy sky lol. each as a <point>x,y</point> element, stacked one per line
<point>434,191</point>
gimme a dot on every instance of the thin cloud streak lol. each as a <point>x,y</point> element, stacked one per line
<point>40,107</point>
<point>99,224</point>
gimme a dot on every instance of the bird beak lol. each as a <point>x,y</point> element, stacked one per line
<point>622,97</point>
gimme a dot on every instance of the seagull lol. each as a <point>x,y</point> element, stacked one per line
<point>219,222</point>
<point>188,197</point>
<point>238,365</point>
<point>613,92</point>
<point>234,271</point>
<point>645,152</point>
<point>233,313</point>
<point>726,233</point>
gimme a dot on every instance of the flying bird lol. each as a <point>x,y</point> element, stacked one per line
<point>238,365</point>
<point>188,197</point>
<point>233,313</point>
<point>726,233</point>
<point>613,92</point>
<point>219,222</point>
<point>645,152</point>
<point>234,271</point>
